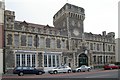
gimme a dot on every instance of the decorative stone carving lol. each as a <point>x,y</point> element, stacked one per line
<point>9,39</point>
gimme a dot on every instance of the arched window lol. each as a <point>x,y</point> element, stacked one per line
<point>58,43</point>
<point>48,42</point>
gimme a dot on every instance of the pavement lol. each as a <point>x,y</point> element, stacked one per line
<point>98,69</point>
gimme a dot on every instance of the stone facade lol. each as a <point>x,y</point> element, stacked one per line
<point>2,8</point>
<point>44,46</point>
<point>102,47</point>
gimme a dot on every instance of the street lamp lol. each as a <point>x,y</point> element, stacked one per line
<point>104,50</point>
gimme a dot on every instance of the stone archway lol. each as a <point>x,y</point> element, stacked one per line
<point>82,60</point>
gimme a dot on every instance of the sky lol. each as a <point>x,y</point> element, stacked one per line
<point>100,15</point>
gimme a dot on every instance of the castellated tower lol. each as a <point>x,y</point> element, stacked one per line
<point>2,9</point>
<point>69,20</point>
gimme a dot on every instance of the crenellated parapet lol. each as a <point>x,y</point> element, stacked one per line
<point>109,37</point>
<point>71,11</point>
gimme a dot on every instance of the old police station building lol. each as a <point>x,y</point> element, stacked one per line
<point>44,46</point>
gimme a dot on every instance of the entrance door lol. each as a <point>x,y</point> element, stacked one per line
<point>83,59</point>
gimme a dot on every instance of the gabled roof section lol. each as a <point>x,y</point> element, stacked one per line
<point>33,24</point>
<point>20,23</point>
<point>24,23</point>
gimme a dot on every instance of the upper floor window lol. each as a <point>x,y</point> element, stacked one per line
<point>63,43</point>
<point>32,29</point>
<point>114,48</point>
<point>23,40</point>
<point>29,40</point>
<point>39,30</point>
<point>91,46</point>
<point>36,41</point>
<point>58,43</point>
<point>16,40</point>
<point>50,31</point>
<point>53,43</point>
<point>44,30</point>
<point>109,48</point>
<point>48,42</point>
<point>94,46</point>
<point>67,44</point>
<point>98,47</point>
<point>42,42</point>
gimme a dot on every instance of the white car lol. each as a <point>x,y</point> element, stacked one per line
<point>83,68</point>
<point>62,69</point>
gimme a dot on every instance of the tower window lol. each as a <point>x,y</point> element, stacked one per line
<point>76,15</point>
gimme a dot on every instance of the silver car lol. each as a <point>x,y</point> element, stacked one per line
<point>83,68</point>
<point>62,69</point>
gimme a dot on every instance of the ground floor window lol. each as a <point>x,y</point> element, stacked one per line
<point>58,60</point>
<point>45,60</point>
<point>33,60</point>
<point>18,59</point>
<point>51,60</point>
<point>25,59</point>
<point>94,59</point>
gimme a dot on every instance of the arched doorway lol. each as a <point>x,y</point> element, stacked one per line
<point>82,60</point>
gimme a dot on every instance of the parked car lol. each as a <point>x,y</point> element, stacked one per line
<point>83,68</point>
<point>62,69</point>
<point>27,70</point>
<point>118,64</point>
<point>110,66</point>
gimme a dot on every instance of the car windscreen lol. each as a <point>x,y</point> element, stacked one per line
<point>19,68</point>
<point>56,67</point>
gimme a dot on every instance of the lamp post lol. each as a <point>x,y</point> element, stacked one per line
<point>104,50</point>
<point>4,63</point>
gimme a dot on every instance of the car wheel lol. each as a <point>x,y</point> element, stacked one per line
<point>21,74</point>
<point>40,73</point>
<point>55,72</point>
<point>69,71</point>
<point>88,70</point>
<point>110,68</point>
<point>51,73</point>
<point>79,70</point>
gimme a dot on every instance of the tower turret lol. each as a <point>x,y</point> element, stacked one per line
<point>69,20</point>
